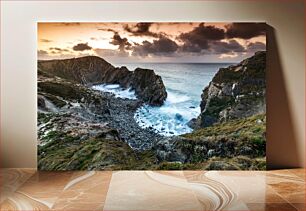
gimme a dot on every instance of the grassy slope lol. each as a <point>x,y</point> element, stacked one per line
<point>66,152</point>
<point>238,134</point>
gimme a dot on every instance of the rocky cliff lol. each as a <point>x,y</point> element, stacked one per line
<point>230,132</point>
<point>237,91</point>
<point>91,70</point>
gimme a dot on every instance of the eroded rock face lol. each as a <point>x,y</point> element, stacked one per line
<point>237,91</point>
<point>91,70</point>
<point>149,86</point>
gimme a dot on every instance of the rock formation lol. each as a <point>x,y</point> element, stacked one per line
<point>230,132</point>
<point>80,128</point>
<point>237,91</point>
<point>91,70</point>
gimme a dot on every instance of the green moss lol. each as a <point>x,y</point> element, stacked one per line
<point>246,127</point>
<point>236,163</point>
<point>52,135</point>
<point>44,117</point>
<point>170,166</point>
<point>218,163</point>
<point>216,105</point>
<point>179,166</point>
<point>69,153</point>
<point>227,140</point>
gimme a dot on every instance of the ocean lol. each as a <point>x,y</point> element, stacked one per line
<point>184,84</point>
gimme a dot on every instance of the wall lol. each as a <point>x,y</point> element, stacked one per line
<point>286,63</point>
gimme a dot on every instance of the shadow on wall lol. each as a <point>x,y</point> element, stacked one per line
<point>281,140</point>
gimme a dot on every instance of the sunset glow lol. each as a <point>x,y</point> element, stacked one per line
<point>151,42</point>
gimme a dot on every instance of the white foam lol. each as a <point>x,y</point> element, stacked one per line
<point>169,119</point>
<point>176,98</point>
<point>111,86</point>
<point>116,90</point>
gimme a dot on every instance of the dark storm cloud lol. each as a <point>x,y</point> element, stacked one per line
<point>198,39</point>
<point>140,29</point>
<point>46,40</point>
<point>245,30</point>
<point>81,47</point>
<point>204,32</point>
<point>123,43</point>
<point>220,47</point>
<point>256,46</point>
<point>162,47</point>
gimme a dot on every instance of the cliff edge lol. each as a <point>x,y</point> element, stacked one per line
<point>235,92</point>
<point>92,70</point>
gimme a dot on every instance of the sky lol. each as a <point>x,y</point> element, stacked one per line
<point>161,42</point>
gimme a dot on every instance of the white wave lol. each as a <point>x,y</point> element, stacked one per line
<point>112,86</point>
<point>169,119</point>
<point>116,90</point>
<point>176,98</point>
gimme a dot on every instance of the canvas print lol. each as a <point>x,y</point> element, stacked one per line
<point>151,96</point>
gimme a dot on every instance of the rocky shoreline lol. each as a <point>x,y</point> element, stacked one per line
<point>116,113</point>
<point>122,118</point>
<point>85,129</point>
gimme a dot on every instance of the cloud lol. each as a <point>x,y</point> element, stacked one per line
<point>110,53</point>
<point>56,50</point>
<point>194,47</point>
<point>161,47</point>
<point>98,38</point>
<point>123,43</point>
<point>198,39</point>
<point>140,29</point>
<point>81,47</point>
<point>46,40</point>
<point>228,55</point>
<point>107,30</point>
<point>245,30</point>
<point>41,53</point>
<point>256,46</point>
<point>221,47</point>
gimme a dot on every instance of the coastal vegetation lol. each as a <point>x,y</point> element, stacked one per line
<point>83,129</point>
